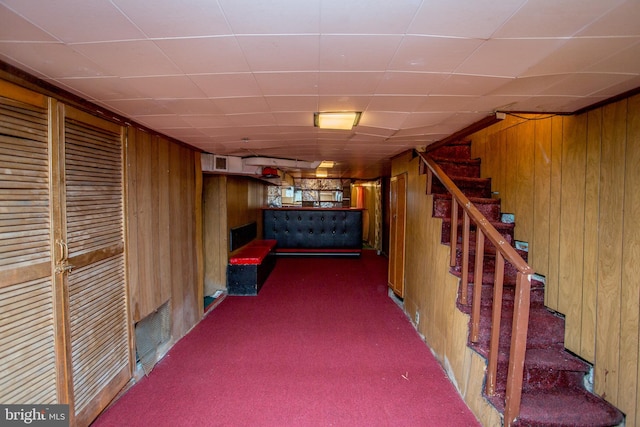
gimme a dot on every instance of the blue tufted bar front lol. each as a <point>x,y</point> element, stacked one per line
<point>309,231</point>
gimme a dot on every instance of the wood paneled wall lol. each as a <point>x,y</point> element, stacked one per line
<point>162,230</point>
<point>573,183</point>
<point>229,201</point>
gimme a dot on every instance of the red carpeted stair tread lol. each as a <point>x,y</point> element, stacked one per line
<point>490,208</point>
<point>566,408</point>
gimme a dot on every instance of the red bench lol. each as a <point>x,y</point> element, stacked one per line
<point>250,266</point>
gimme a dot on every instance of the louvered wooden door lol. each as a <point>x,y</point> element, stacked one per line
<point>93,235</point>
<point>28,364</point>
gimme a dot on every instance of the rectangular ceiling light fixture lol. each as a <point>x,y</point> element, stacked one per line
<point>327,164</point>
<point>337,120</point>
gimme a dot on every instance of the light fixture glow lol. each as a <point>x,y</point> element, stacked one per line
<point>340,121</point>
<point>327,164</point>
<point>321,173</point>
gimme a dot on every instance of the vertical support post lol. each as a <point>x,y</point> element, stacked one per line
<point>464,299</point>
<point>518,348</point>
<point>454,231</point>
<point>429,180</point>
<point>496,315</point>
<point>477,286</point>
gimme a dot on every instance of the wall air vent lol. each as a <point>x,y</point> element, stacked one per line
<point>220,163</point>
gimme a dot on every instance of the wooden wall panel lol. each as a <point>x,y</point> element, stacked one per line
<point>610,242</point>
<point>591,210</point>
<point>572,227</point>
<point>162,244</point>
<point>216,237</point>
<point>630,284</point>
<point>538,251</point>
<point>584,235</point>
<point>552,275</point>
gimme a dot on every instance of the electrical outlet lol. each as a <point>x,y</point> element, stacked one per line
<point>417,317</point>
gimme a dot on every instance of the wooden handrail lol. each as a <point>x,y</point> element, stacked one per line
<point>504,252</point>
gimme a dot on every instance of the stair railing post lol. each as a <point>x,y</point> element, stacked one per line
<point>496,316</point>
<point>429,180</point>
<point>454,230</point>
<point>465,258</point>
<point>477,286</point>
<point>518,347</point>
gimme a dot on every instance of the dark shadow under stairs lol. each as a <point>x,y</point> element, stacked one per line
<point>554,392</point>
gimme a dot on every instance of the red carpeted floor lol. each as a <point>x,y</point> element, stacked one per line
<point>321,345</point>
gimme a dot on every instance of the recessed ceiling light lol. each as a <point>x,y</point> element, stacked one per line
<point>336,120</point>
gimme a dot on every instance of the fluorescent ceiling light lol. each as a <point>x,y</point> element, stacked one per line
<point>341,121</point>
<point>321,173</point>
<point>327,164</point>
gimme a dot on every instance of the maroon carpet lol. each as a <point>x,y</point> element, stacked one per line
<point>321,345</point>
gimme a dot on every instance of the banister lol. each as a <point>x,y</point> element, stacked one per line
<point>504,252</point>
<point>489,231</point>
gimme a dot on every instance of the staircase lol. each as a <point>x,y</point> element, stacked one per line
<point>553,390</point>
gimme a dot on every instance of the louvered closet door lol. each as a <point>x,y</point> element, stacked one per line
<point>99,326</point>
<point>27,330</point>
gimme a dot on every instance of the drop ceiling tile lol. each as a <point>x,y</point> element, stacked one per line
<point>348,83</point>
<point>53,60</point>
<point>469,85</point>
<point>394,103</point>
<point>208,123</point>
<point>622,20</point>
<point>462,18</point>
<point>367,16</point>
<point>551,104</point>
<point>631,84</point>
<point>528,86</point>
<point>343,103</point>
<point>242,105</point>
<point>205,55</point>
<point>433,54</point>
<point>435,103</point>
<point>272,16</point>
<point>190,106</point>
<point>624,61</point>
<point>582,84</point>
<point>16,28</point>
<point>138,107</point>
<point>292,103</point>
<point>382,120</point>
<point>281,53</point>
<point>162,121</point>
<point>293,119</point>
<point>579,54</point>
<point>103,88</point>
<point>357,52</point>
<point>129,58</point>
<point>166,87</point>
<point>167,18</point>
<point>415,120</point>
<point>552,18</point>
<point>227,85</point>
<point>410,83</point>
<point>34,72</point>
<point>508,57</point>
<point>78,21</point>
<point>288,83</point>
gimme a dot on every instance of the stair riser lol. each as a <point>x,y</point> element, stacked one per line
<point>541,379</point>
<point>442,209</point>
<point>488,265</point>
<point>460,169</point>
<point>545,329</point>
<point>459,151</point>
<point>470,189</point>
<point>446,236</point>
<point>508,292</point>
